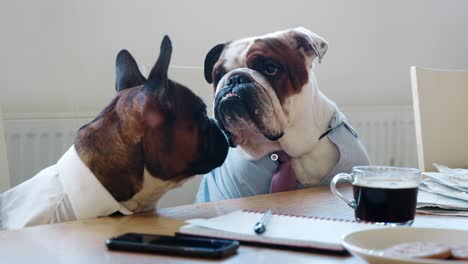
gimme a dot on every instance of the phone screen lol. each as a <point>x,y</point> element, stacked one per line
<point>174,241</point>
<point>179,245</point>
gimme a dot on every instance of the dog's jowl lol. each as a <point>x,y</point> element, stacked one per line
<point>152,136</point>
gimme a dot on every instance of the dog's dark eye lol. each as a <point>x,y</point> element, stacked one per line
<point>270,68</point>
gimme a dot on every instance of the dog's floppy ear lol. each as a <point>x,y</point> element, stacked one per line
<point>312,45</point>
<point>210,60</point>
<point>127,74</point>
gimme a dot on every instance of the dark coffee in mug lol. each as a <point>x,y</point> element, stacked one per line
<point>380,204</point>
<point>382,194</point>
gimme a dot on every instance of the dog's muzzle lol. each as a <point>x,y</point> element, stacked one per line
<point>213,150</point>
<point>232,106</point>
<point>242,104</point>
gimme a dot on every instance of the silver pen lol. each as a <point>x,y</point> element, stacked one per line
<point>260,227</point>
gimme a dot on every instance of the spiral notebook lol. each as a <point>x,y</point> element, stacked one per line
<point>282,230</point>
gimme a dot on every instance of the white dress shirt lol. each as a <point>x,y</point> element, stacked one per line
<point>66,191</point>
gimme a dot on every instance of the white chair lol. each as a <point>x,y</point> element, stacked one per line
<point>4,171</point>
<point>440,101</point>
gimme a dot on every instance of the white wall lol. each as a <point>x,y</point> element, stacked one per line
<point>4,169</point>
<point>59,55</point>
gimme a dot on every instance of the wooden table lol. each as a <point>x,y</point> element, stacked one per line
<point>83,241</point>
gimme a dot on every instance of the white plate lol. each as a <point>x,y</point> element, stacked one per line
<point>369,244</point>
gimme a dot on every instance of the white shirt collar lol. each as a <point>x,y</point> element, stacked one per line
<point>87,195</point>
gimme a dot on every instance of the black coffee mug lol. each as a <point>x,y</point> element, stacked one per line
<point>382,194</point>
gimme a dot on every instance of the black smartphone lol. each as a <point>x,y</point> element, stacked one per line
<point>174,245</point>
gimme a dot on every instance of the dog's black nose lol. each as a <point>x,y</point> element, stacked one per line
<point>238,78</point>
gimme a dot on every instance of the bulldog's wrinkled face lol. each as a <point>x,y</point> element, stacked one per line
<point>256,80</point>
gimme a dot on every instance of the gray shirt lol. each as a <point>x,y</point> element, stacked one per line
<point>239,177</point>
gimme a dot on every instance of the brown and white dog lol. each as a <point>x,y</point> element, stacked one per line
<point>267,100</point>
<point>152,136</point>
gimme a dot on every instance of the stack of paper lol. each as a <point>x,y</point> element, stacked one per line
<point>282,230</point>
<point>444,192</point>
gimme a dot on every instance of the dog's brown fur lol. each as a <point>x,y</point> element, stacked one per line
<point>293,73</point>
<point>159,125</point>
<point>111,145</point>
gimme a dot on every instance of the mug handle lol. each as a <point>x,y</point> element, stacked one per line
<point>335,180</point>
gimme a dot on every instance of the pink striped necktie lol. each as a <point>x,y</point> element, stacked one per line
<point>284,179</point>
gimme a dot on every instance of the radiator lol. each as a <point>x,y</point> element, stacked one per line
<point>35,142</point>
<point>388,134</point>
<point>38,140</point>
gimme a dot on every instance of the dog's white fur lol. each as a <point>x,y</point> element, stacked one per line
<point>304,117</point>
<point>153,189</point>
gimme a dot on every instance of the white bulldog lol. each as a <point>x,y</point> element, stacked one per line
<point>267,100</point>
